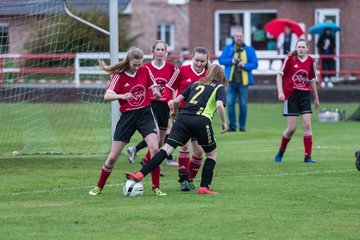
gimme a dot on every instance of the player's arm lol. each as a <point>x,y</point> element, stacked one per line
<point>153,85</point>
<point>312,84</point>
<point>315,93</point>
<point>221,109</point>
<point>279,84</point>
<point>176,104</point>
<point>155,92</point>
<point>111,95</point>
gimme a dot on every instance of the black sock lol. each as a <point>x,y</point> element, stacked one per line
<point>141,145</point>
<point>183,176</point>
<point>207,172</point>
<point>154,162</point>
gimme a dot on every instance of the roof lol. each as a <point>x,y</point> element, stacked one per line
<point>35,7</point>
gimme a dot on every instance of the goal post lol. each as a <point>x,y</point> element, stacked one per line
<point>114,49</point>
<point>42,112</point>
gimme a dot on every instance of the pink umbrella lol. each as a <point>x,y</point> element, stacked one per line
<point>277,26</point>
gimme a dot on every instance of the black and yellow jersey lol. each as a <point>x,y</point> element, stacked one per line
<point>201,99</point>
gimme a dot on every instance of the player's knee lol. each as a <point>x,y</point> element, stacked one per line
<point>290,130</point>
<point>211,155</point>
<point>153,149</point>
<point>307,127</point>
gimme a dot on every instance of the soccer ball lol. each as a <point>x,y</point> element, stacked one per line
<point>132,188</point>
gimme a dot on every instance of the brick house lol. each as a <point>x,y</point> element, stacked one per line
<point>16,28</point>
<point>157,19</point>
<point>218,18</point>
<point>147,19</point>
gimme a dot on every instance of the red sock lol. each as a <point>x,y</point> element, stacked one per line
<point>155,174</point>
<point>184,161</point>
<point>146,157</point>
<point>104,175</point>
<point>195,165</point>
<point>284,143</point>
<point>155,178</point>
<point>308,145</point>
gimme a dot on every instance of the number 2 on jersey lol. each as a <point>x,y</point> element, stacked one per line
<point>200,89</point>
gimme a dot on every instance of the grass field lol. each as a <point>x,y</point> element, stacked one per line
<point>46,196</point>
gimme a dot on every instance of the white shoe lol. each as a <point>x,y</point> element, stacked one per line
<point>132,154</point>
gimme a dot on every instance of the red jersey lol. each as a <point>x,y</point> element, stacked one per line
<point>297,74</point>
<point>138,84</point>
<point>162,76</point>
<point>183,77</point>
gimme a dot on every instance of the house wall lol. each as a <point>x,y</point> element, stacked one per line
<point>146,14</point>
<point>20,32</point>
<point>299,10</point>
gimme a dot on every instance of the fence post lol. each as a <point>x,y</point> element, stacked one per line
<point>320,71</point>
<point>1,71</point>
<point>77,71</point>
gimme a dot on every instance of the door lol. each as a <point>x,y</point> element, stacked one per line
<point>333,15</point>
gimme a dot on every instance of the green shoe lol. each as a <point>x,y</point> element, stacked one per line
<point>185,186</point>
<point>158,192</point>
<point>192,185</point>
<point>96,191</point>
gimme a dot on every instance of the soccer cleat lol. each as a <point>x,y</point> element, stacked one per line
<point>185,186</point>
<point>309,160</point>
<point>205,190</point>
<point>96,191</point>
<point>132,154</point>
<point>192,185</point>
<point>158,192</point>
<point>278,157</point>
<point>172,162</point>
<point>136,176</point>
<point>161,174</point>
<point>357,161</point>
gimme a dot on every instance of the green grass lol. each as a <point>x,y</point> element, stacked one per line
<point>43,128</point>
<point>46,196</point>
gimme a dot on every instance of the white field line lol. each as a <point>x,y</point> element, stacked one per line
<point>167,181</point>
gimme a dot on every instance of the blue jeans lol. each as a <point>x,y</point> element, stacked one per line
<point>242,92</point>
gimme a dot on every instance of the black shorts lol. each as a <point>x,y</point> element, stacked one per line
<point>298,103</point>
<point>142,120</point>
<point>191,126</point>
<point>161,111</point>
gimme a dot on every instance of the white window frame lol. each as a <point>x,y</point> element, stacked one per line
<point>320,13</point>
<point>247,27</point>
<point>171,44</point>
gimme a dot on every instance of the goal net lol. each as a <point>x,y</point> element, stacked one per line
<point>51,92</point>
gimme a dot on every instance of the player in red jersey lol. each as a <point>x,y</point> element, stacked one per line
<point>295,83</point>
<point>161,71</point>
<point>183,77</point>
<point>203,98</point>
<point>130,85</point>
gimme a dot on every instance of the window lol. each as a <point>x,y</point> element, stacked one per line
<point>229,24</point>
<point>252,23</point>
<point>165,32</point>
<point>4,38</point>
<point>260,39</point>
